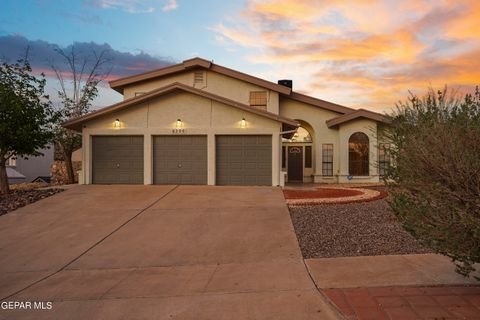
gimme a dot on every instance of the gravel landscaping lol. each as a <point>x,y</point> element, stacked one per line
<point>356,229</point>
<point>20,198</point>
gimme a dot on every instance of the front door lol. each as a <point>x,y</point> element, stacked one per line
<point>295,164</point>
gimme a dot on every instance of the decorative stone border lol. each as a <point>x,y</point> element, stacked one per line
<point>367,195</point>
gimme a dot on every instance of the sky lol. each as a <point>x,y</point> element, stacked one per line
<point>362,54</point>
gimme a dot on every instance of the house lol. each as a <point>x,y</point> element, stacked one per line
<point>14,176</point>
<point>30,167</point>
<point>197,122</point>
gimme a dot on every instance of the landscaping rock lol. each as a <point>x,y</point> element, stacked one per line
<point>356,229</point>
<point>19,198</point>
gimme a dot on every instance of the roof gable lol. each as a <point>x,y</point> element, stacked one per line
<point>76,123</point>
<point>121,83</point>
<point>360,113</point>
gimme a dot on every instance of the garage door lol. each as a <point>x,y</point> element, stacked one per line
<point>117,159</point>
<point>180,159</point>
<point>244,160</point>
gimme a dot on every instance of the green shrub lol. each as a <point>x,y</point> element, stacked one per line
<point>434,178</point>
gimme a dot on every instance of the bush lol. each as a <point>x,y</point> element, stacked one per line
<point>434,178</point>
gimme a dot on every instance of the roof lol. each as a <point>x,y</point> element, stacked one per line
<point>76,124</point>
<point>319,102</point>
<point>360,113</point>
<point>14,174</point>
<point>121,83</point>
<point>46,179</point>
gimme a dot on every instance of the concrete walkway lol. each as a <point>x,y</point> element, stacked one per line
<point>162,252</point>
<point>416,286</point>
<point>392,270</point>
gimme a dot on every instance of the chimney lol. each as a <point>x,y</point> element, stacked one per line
<point>286,83</point>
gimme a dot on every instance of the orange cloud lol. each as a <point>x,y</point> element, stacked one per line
<point>283,9</point>
<point>363,53</point>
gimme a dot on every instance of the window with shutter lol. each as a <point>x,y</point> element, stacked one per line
<point>258,99</point>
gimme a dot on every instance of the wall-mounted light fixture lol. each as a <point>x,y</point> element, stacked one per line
<point>116,123</point>
<point>243,123</point>
<point>179,123</point>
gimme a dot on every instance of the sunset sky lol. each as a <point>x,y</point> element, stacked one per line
<point>359,53</point>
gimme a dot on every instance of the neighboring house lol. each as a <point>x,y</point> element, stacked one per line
<point>31,167</point>
<point>200,123</point>
<point>14,176</point>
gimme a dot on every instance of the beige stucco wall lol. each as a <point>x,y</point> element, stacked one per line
<point>199,115</point>
<point>214,82</point>
<point>316,118</point>
<point>368,127</point>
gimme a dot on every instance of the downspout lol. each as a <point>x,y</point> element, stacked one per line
<point>280,134</point>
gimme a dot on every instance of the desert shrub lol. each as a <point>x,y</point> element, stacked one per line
<point>434,178</point>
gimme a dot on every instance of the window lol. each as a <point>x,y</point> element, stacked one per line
<point>383,158</point>
<point>258,98</point>
<point>284,157</point>
<point>302,135</point>
<point>198,77</point>
<point>327,159</point>
<point>308,156</point>
<point>12,161</point>
<point>358,152</point>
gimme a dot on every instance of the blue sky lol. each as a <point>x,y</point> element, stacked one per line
<point>361,53</point>
<point>178,33</point>
<point>127,26</point>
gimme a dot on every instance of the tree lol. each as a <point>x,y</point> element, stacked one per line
<point>26,115</point>
<point>78,87</point>
<point>435,179</point>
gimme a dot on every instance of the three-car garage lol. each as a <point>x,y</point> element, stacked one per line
<point>183,159</point>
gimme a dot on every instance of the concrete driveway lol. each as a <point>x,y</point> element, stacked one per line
<point>162,252</point>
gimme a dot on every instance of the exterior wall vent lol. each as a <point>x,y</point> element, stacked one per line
<point>198,77</point>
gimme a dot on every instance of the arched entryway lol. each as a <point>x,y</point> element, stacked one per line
<point>358,154</point>
<point>297,154</point>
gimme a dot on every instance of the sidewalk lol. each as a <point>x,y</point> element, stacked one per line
<point>379,271</point>
<point>418,286</point>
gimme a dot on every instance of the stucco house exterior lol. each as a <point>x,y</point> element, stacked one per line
<point>197,122</point>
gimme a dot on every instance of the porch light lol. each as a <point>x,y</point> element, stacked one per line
<point>116,123</point>
<point>179,123</point>
<point>243,123</point>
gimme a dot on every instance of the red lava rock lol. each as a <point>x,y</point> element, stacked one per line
<point>320,193</point>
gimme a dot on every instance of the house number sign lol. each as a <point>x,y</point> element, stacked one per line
<point>177,131</point>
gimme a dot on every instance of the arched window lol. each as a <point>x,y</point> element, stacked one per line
<point>302,135</point>
<point>358,154</point>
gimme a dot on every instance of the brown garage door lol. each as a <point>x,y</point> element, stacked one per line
<point>244,160</point>
<point>117,159</point>
<point>180,159</point>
